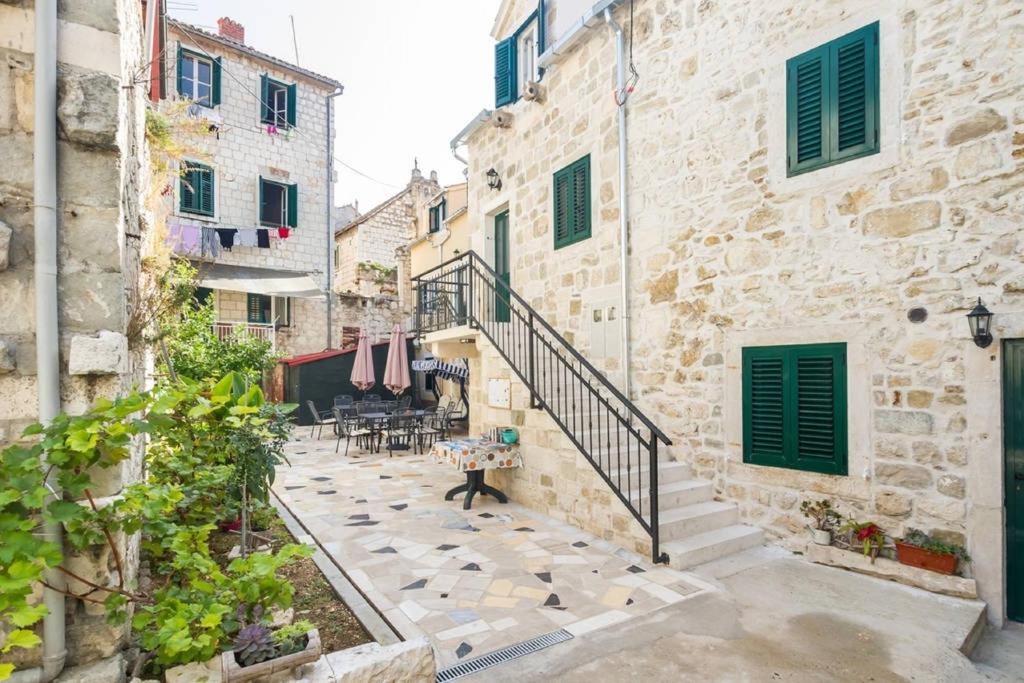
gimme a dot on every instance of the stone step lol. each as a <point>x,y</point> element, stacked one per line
<point>711,545</point>
<point>691,520</point>
<point>668,473</point>
<point>677,494</point>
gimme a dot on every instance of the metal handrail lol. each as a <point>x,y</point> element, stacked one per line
<point>560,380</point>
<point>473,257</point>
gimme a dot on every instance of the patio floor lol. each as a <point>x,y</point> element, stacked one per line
<point>471,581</point>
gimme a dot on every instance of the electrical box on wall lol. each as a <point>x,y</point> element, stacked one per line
<point>605,328</point>
<point>499,393</point>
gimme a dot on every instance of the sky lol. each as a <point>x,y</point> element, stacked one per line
<point>415,73</point>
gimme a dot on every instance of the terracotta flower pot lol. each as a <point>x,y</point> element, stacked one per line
<point>913,556</point>
<point>233,672</point>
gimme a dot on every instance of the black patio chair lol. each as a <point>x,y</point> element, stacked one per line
<point>320,418</point>
<point>371,398</point>
<point>435,427</point>
<point>348,427</point>
<point>404,403</point>
<point>401,433</point>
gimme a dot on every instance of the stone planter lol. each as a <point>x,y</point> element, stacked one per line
<point>913,556</point>
<point>233,672</point>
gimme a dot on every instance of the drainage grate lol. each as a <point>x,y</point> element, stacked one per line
<point>505,654</point>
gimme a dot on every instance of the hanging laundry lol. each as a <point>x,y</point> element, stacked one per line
<point>247,238</point>
<point>210,245</point>
<point>263,238</point>
<point>226,237</point>
<point>183,239</point>
<point>283,233</point>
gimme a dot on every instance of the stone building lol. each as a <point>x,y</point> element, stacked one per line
<point>101,222</point>
<point>372,257</point>
<point>809,187</point>
<point>251,210</point>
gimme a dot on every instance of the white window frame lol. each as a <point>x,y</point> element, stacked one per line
<point>284,204</point>
<point>191,74</point>
<point>526,56</point>
<point>278,104</point>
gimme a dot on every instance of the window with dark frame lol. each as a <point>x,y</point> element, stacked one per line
<point>259,309</point>
<point>196,189</point>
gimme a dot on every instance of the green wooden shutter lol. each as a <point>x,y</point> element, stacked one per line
<point>763,401</point>
<point>562,216</point>
<point>794,407</point>
<point>505,72</point>
<point>293,206</point>
<point>292,101</point>
<point>254,307</point>
<point>180,69</point>
<point>188,186</point>
<point>215,88</point>
<point>853,95</point>
<point>265,114</point>
<point>581,199</point>
<point>259,207</point>
<point>432,219</point>
<point>807,110</point>
<point>206,190</point>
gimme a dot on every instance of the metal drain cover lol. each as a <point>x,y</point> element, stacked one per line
<point>505,654</point>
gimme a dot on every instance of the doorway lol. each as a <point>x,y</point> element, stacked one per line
<point>1013,449</point>
<point>501,268</point>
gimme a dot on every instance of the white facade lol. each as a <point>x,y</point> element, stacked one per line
<point>246,149</point>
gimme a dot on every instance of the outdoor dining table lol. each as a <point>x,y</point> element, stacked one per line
<point>376,422</point>
<point>474,457</point>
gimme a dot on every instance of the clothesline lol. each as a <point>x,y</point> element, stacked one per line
<point>201,240</point>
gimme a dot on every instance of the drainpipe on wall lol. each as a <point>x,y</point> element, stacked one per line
<point>330,226</point>
<point>44,189</point>
<point>620,85</point>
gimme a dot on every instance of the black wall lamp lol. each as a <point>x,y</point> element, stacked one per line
<point>493,181</point>
<point>980,320</point>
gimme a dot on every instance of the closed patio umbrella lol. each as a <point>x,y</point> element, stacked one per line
<point>396,372</point>
<point>362,369</point>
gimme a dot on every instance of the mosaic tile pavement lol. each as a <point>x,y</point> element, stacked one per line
<point>472,581</point>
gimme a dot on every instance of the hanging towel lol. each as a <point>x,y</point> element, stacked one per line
<point>184,239</point>
<point>263,238</point>
<point>210,245</point>
<point>227,237</point>
<point>247,238</point>
<point>283,233</point>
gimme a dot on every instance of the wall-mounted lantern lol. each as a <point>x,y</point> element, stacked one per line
<point>980,320</point>
<point>493,181</point>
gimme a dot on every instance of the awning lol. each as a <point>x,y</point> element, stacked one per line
<point>258,280</point>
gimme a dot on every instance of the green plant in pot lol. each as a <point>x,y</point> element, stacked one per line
<point>868,535</point>
<point>824,519</point>
<point>918,549</point>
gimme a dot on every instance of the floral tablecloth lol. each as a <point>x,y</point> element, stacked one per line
<point>470,455</point>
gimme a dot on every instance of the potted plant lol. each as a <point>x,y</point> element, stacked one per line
<point>823,519</point>
<point>868,535</point>
<point>918,549</point>
<point>261,651</point>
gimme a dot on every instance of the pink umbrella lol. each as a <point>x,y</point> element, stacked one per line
<point>396,372</point>
<point>362,369</point>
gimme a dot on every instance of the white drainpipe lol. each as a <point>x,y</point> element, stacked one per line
<point>47,333</point>
<point>620,84</point>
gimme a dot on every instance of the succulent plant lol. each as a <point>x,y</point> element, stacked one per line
<point>254,644</point>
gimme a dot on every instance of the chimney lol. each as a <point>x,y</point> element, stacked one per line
<point>231,29</point>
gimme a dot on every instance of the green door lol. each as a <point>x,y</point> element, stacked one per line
<point>1013,436</point>
<point>501,267</point>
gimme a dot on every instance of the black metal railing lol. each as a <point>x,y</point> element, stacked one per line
<point>608,429</point>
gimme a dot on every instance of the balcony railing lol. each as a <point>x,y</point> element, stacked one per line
<point>226,330</point>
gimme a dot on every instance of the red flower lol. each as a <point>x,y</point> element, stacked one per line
<point>867,532</point>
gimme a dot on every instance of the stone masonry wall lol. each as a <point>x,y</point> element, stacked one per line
<point>101,175</point>
<point>727,252</point>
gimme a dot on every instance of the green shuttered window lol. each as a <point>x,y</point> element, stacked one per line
<point>196,189</point>
<point>572,203</point>
<point>258,307</point>
<point>277,102</point>
<point>794,407</point>
<point>198,77</point>
<point>832,102</point>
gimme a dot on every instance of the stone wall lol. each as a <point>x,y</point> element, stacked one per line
<point>727,252</point>
<point>101,176</point>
